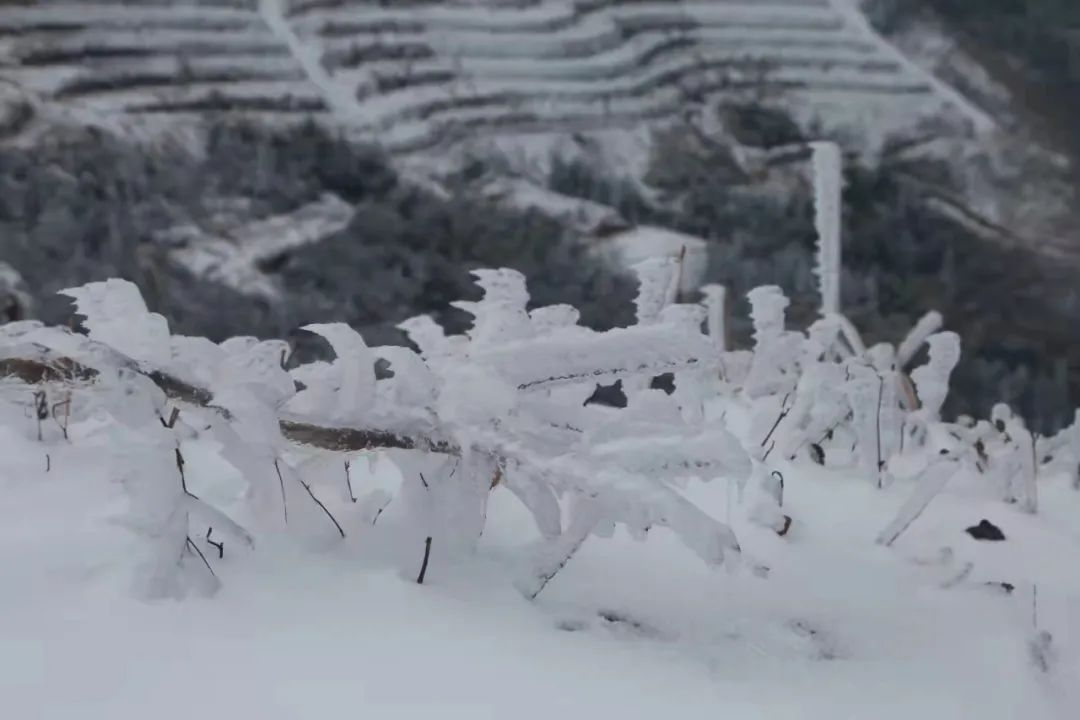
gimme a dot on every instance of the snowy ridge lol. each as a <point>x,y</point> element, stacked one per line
<point>419,74</point>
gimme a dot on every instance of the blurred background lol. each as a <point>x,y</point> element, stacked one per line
<point>255,165</point>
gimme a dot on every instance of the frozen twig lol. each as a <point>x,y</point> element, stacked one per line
<point>348,481</point>
<point>318,502</point>
<point>220,546</point>
<point>281,483</point>
<point>423,566</point>
<point>193,546</point>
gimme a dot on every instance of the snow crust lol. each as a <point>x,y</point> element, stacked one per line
<point>836,627</point>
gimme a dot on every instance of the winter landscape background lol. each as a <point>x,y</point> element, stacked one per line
<point>721,226</point>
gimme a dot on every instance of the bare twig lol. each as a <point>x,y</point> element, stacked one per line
<point>66,404</point>
<point>202,557</point>
<point>423,566</point>
<point>41,410</point>
<point>171,422</point>
<point>784,410</point>
<point>348,480</point>
<point>323,507</point>
<point>180,467</point>
<point>219,545</point>
<point>281,482</point>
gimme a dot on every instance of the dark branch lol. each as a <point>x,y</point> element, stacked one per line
<point>176,389</point>
<point>281,482</point>
<point>202,557</point>
<point>48,367</point>
<point>180,467</point>
<point>423,567</point>
<point>355,439</point>
<point>348,481</point>
<point>219,545</point>
<point>784,410</point>
<point>323,507</point>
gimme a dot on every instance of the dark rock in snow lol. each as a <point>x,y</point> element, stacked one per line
<point>610,395</point>
<point>986,530</point>
<point>1004,587</point>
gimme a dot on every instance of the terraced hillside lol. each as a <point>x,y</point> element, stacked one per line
<point>422,73</point>
<point>666,110</point>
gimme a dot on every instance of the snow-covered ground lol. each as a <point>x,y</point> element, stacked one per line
<point>823,623</point>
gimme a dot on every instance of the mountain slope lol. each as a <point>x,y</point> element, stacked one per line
<point>665,111</point>
<point>416,75</point>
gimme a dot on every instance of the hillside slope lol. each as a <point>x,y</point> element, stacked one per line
<point>246,113</point>
<point>419,74</point>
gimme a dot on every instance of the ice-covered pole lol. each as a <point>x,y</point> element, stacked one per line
<point>828,181</point>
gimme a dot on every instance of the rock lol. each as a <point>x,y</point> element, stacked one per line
<point>986,530</point>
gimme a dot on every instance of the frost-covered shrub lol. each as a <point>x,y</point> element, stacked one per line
<point>500,404</point>
<point>903,257</point>
<point>504,404</point>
